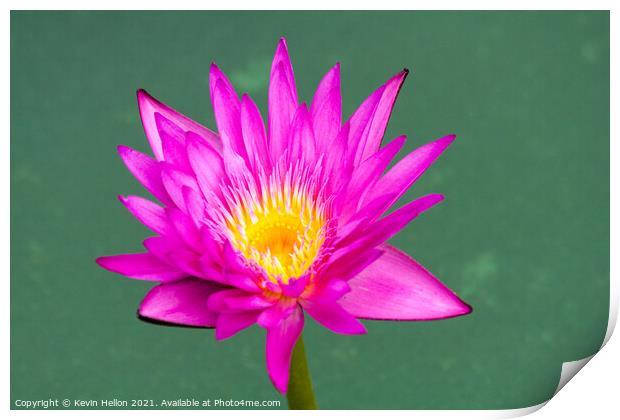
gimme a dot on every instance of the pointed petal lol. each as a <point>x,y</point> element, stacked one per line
<point>182,302</point>
<point>390,225</point>
<point>254,137</point>
<point>206,163</point>
<point>281,340</point>
<point>149,214</point>
<point>337,167</point>
<point>366,175</point>
<point>234,300</point>
<point>360,121</point>
<point>161,247</point>
<point>195,206</point>
<point>395,287</point>
<point>376,126</point>
<point>230,324</point>
<point>185,227</point>
<point>146,170</point>
<point>149,106</point>
<point>326,109</point>
<point>301,142</point>
<point>172,142</point>
<point>227,110</point>
<point>402,175</point>
<point>332,316</point>
<point>174,180</point>
<point>140,266</point>
<point>282,101</point>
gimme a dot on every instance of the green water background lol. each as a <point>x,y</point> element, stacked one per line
<point>523,234</point>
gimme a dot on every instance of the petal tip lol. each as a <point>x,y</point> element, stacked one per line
<point>100,261</point>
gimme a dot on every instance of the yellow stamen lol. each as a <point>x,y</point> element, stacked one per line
<point>282,228</point>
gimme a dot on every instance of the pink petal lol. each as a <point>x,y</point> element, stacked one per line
<point>146,170</point>
<point>332,316</point>
<point>281,340</point>
<point>301,143</point>
<point>161,247</point>
<point>149,106</point>
<point>185,227</point>
<point>140,266</point>
<point>395,287</point>
<point>402,175</point>
<point>182,302</point>
<point>337,167</point>
<point>253,129</point>
<point>195,205</point>
<point>282,100</point>
<point>229,324</point>
<point>174,180</point>
<point>149,214</point>
<point>234,300</point>
<point>360,121</point>
<point>385,228</point>
<point>227,110</point>
<point>327,292</point>
<point>172,142</point>
<point>326,109</point>
<point>345,264</point>
<point>370,142</point>
<point>187,261</point>
<point>206,163</point>
<point>366,175</point>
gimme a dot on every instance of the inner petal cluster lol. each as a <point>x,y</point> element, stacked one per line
<point>278,223</point>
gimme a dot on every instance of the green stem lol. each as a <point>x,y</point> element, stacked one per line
<point>300,395</point>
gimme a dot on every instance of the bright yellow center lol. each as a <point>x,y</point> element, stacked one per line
<point>281,230</point>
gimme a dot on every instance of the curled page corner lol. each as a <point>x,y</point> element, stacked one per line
<point>570,369</point>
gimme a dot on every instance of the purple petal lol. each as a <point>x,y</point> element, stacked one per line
<point>282,100</point>
<point>195,205</point>
<point>185,227</point>
<point>253,129</point>
<point>206,163</point>
<point>281,340</point>
<point>227,110</point>
<point>332,316</point>
<point>149,214</point>
<point>395,287</point>
<point>161,247</point>
<point>187,261</point>
<point>182,302</point>
<point>301,142</point>
<point>146,170</point>
<point>235,300</point>
<point>359,121</point>
<point>402,175</point>
<point>229,324</point>
<point>329,292</point>
<point>370,142</point>
<point>172,142</point>
<point>390,225</point>
<point>338,168</point>
<point>366,175</point>
<point>174,180</point>
<point>345,264</point>
<point>141,267</point>
<point>149,106</point>
<point>326,109</point>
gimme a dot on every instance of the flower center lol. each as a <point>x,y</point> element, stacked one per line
<point>281,228</point>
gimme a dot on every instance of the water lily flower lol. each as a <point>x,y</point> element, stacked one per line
<point>268,225</point>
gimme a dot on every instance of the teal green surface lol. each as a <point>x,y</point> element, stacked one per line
<point>523,234</point>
